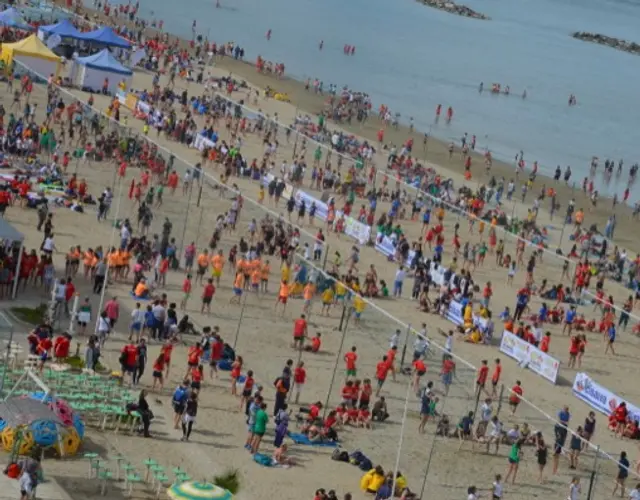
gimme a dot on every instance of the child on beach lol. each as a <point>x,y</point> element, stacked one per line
<point>236,368</point>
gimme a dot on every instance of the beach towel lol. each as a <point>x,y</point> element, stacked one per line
<point>139,298</point>
<point>263,459</point>
<point>302,439</point>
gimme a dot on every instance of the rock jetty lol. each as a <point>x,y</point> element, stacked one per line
<point>615,43</point>
<point>454,8</point>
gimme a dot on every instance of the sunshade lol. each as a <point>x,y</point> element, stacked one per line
<point>193,490</point>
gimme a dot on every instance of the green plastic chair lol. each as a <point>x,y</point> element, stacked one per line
<point>130,481</point>
<point>104,476</point>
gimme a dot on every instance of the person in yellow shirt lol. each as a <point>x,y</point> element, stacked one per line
<point>359,306</point>
<point>307,295</point>
<point>283,296</point>
<point>217,265</point>
<point>238,286</point>
<point>265,271</point>
<point>341,292</point>
<point>285,272</point>
<point>203,264</point>
<point>261,194</point>
<point>327,300</point>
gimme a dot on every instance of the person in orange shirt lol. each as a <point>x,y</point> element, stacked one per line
<point>217,265</point>
<point>391,357</point>
<point>255,279</point>
<point>126,263</point>
<point>203,264</point>
<point>495,378</point>
<point>238,287</point>
<point>307,295</point>
<point>283,296</point>
<point>265,270</point>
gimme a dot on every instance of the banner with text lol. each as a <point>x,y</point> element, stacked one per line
<point>530,356</point>
<point>600,398</point>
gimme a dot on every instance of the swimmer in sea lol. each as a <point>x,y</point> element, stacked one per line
<point>524,94</point>
<point>321,44</point>
<point>268,34</point>
<point>481,87</point>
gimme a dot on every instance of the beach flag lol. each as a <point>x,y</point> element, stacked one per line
<point>132,188</point>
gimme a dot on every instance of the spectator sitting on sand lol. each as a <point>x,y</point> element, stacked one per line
<point>280,457</point>
<point>379,411</point>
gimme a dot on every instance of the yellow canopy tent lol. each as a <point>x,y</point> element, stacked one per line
<point>33,54</point>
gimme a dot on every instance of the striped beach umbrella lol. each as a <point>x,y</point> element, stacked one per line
<point>194,490</point>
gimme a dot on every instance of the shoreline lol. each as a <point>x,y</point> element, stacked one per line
<point>436,153</point>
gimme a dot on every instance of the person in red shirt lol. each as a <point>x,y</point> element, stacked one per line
<point>483,374</point>
<point>299,379</point>
<point>382,368</point>
<point>514,398</point>
<point>347,394</point>
<point>128,358</point>
<point>197,374</point>
<point>69,292</point>
<point>350,360</point>
<point>247,389</point>
<point>391,357</point>
<point>217,347</point>
<point>193,358</point>
<point>61,346</point>
<point>299,332</point>
<point>620,414</point>
<point>166,350</point>
<point>316,343</point>
<point>495,378</point>
<point>207,296</point>
<point>419,369</point>
<point>365,393</point>
<point>43,349</point>
<point>186,292</point>
<point>544,343</point>
<point>236,369</point>
<point>158,371</point>
<point>574,348</point>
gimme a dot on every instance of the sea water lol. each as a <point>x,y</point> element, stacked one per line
<point>413,57</point>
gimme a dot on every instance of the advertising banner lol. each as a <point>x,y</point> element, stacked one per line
<point>600,398</point>
<point>529,356</point>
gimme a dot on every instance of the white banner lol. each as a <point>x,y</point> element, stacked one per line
<point>600,398</point>
<point>201,142</point>
<point>530,356</point>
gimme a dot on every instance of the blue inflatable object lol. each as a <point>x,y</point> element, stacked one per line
<point>3,424</point>
<point>78,425</point>
<point>45,432</point>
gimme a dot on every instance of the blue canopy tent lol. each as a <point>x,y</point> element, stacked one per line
<point>13,19</point>
<point>95,69</point>
<point>105,36</point>
<point>64,29</point>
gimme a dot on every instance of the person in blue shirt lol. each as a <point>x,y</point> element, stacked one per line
<point>179,401</point>
<point>564,416</point>
<point>611,333</point>
<point>543,313</point>
<point>522,299</point>
<point>438,253</point>
<point>569,319</point>
<point>426,218</point>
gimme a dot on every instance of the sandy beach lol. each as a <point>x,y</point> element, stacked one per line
<point>263,338</point>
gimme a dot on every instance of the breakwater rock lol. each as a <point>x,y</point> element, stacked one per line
<point>615,43</point>
<point>454,8</point>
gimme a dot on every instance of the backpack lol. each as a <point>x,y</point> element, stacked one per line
<point>356,457</point>
<point>365,465</point>
<point>340,455</point>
